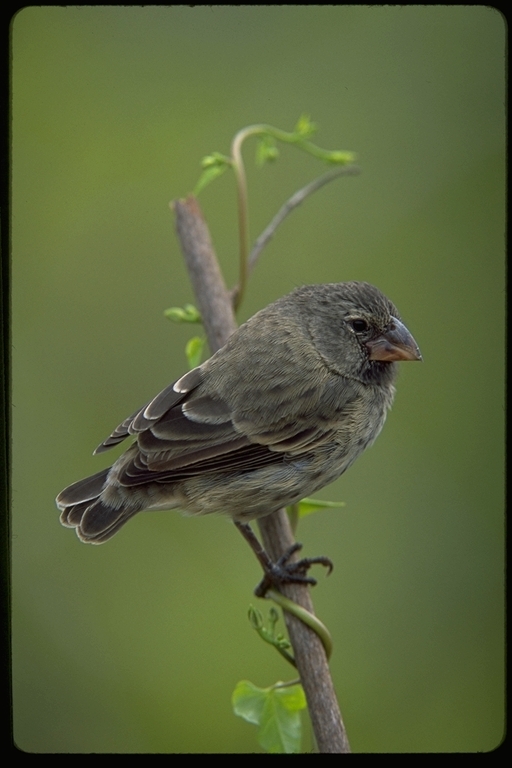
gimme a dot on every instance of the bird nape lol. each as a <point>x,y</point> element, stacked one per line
<point>284,408</point>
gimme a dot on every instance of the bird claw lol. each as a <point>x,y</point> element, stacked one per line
<point>283,572</point>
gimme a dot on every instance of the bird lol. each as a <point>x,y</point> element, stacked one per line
<point>284,408</point>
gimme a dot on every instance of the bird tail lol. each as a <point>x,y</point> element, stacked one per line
<point>81,508</point>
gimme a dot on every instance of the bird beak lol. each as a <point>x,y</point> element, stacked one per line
<point>394,344</point>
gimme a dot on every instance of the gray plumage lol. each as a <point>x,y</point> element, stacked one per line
<point>284,408</point>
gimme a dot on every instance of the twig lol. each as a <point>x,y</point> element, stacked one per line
<point>243,223</point>
<point>305,616</point>
<point>219,322</point>
<point>300,139</point>
<point>292,203</point>
<point>295,200</point>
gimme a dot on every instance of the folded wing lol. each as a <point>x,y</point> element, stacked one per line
<point>186,431</point>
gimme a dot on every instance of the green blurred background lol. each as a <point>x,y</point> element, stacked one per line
<point>136,646</point>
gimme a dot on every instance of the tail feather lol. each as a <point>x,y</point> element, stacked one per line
<point>95,522</point>
<point>82,508</point>
<point>71,516</point>
<point>99,517</point>
<point>100,522</point>
<point>83,490</point>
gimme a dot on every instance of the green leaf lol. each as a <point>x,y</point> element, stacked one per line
<point>255,618</point>
<point>276,712</point>
<point>214,166</point>
<point>338,157</point>
<point>341,158</point>
<point>248,701</point>
<point>305,127</point>
<point>194,350</point>
<point>216,158</point>
<point>186,314</point>
<point>208,175</point>
<point>279,641</point>
<point>310,506</point>
<point>266,150</point>
<point>280,729</point>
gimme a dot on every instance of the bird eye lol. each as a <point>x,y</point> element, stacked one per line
<point>359,325</point>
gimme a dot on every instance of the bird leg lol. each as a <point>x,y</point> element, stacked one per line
<point>281,571</point>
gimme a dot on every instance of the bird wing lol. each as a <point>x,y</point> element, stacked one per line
<point>186,431</point>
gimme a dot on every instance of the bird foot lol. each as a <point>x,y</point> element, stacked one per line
<point>284,572</point>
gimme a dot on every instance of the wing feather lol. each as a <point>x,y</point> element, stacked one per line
<point>189,429</point>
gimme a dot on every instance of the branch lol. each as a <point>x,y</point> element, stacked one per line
<point>210,290</point>
<point>309,653</point>
<point>217,313</point>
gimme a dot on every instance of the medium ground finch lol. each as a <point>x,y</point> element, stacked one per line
<point>284,408</point>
